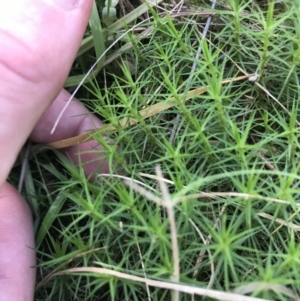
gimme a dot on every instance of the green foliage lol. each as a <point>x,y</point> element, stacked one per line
<point>233,166</point>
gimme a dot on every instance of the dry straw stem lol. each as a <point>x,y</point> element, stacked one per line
<point>128,179</point>
<point>245,196</point>
<point>137,185</point>
<point>261,286</point>
<point>168,203</point>
<point>201,255</point>
<point>67,262</point>
<point>149,30</point>
<point>179,287</point>
<point>215,195</point>
<point>189,289</point>
<point>126,122</point>
<point>255,75</point>
<point>143,8</point>
<point>143,266</point>
<point>202,252</point>
<point>281,222</point>
<point>205,241</point>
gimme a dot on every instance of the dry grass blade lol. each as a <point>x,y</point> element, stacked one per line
<point>169,205</point>
<point>143,266</point>
<point>126,122</point>
<point>63,264</point>
<point>245,196</point>
<point>129,180</point>
<point>276,100</point>
<point>256,76</point>
<point>262,286</point>
<point>281,222</point>
<point>189,289</point>
<point>202,252</point>
<point>100,59</point>
<point>155,177</point>
<point>193,69</point>
<point>200,257</point>
<point>149,30</point>
<point>141,190</point>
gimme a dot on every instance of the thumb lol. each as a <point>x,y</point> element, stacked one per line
<point>39,40</point>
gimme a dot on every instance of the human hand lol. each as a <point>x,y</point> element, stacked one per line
<point>38,42</point>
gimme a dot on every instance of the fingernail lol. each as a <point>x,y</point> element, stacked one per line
<point>65,4</point>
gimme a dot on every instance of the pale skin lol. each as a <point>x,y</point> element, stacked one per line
<point>38,42</point>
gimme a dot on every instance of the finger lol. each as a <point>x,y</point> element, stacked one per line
<point>17,254</point>
<point>76,120</point>
<point>39,40</point>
